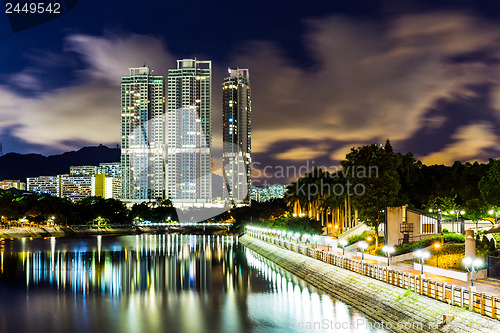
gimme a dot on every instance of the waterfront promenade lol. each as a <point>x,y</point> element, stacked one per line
<point>401,302</point>
<point>482,285</point>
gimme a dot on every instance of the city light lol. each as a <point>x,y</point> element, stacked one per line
<point>437,246</point>
<point>388,250</point>
<point>363,246</point>
<point>422,255</point>
<point>343,243</point>
<point>472,266</point>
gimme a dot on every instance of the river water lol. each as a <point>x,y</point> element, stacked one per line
<point>159,283</point>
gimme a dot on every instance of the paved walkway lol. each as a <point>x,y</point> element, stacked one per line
<point>486,285</point>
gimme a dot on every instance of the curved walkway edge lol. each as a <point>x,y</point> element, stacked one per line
<point>396,308</point>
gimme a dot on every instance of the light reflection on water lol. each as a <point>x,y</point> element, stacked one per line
<point>157,283</point>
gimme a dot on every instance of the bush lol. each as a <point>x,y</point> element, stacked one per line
<point>446,238</point>
<point>294,224</point>
<point>355,238</point>
<point>449,256</point>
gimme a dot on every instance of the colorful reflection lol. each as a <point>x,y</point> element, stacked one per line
<point>155,263</point>
<point>158,283</point>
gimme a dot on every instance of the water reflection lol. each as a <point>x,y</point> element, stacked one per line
<point>152,283</point>
<point>154,263</point>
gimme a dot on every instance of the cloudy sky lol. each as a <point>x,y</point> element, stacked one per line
<point>325,75</point>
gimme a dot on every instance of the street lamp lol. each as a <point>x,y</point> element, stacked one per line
<point>315,237</point>
<point>297,235</point>
<point>363,246</point>
<point>328,244</point>
<point>422,255</point>
<point>343,243</point>
<point>437,246</point>
<point>461,212</point>
<point>388,250</point>
<point>306,237</point>
<point>472,266</point>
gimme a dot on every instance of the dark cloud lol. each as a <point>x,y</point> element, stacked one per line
<point>369,82</point>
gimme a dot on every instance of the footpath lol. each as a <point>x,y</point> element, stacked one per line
<point>483,285</point>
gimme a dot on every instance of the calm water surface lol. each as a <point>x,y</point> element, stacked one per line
<point>158,283</point>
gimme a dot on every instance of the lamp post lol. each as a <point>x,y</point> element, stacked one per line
<point>297,235</point>
<point>363,246</point>
<point>437,246</point>
<point>328,244</point>
<point>388,250</point>
<point>343,243</point>
<point>306,237</point>
<point>472,266</point>
<point>315,238</point>
<point>422,255</point>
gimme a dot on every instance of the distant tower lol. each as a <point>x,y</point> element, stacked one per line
<point>189,130</point>
<point>142,136</point>
<point>237,136</point>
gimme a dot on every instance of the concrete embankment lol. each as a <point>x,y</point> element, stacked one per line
<point>104,231</point>
<point>64,232</point>
<point>395,308</point>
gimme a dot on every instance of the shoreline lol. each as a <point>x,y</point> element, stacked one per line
<point>398,309</point>
<point>72,231</point>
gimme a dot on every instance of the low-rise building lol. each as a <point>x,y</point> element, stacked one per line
<point>82,170</point>
<point>74,188</point>
<point>106,187</point>
<point>110,169</point>
<point>17,184</point>
<point>44,185</point>
<point>405,225</point>
<point>270,192</point>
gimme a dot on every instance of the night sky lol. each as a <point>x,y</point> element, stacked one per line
<point>325,75</point>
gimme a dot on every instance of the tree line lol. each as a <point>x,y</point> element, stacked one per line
<point>399,179</point>
<point>21,208</point>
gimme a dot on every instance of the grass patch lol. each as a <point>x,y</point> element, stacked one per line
<point>446,238</point>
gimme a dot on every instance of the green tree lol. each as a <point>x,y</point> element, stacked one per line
<point>388,146</point>
<point>372,169</point>
<point>475,209</point>
<point>489,185</point>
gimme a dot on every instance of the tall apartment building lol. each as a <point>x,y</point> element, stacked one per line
<point>237,136</point>
<point>142,136</point>
<point>189,129</point>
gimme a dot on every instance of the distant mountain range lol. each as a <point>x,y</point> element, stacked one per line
<point>19,166</point>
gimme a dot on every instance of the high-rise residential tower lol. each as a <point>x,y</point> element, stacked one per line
<point>189,129</point>
<point>237,136</point>
<point>142,136</point>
